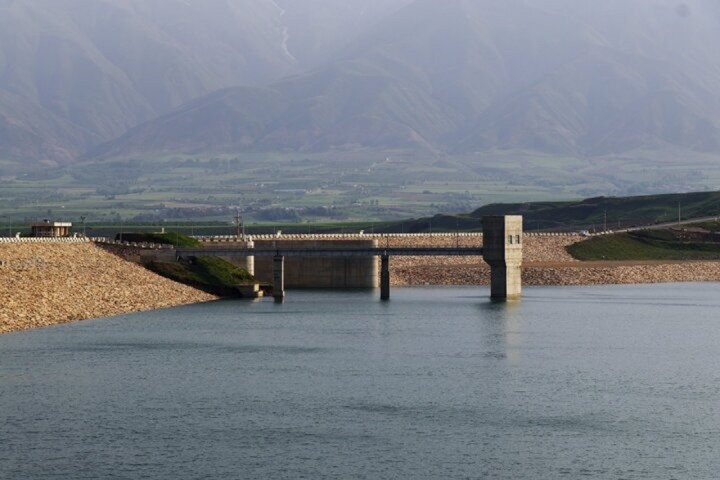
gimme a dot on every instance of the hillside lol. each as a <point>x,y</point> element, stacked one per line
<point>573,78</point>
<point>28,131</point>
<point>619,211</point>
<point>590,213</point>
<point>694,243</point>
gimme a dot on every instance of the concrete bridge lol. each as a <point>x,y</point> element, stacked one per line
<point>502,250</point>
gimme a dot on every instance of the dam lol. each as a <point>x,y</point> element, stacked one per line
<point>353,263</point>
<point>328,271</point>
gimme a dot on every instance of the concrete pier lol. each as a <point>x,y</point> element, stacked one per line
<point>385,277</point>
<point>503,251</point>
<point>279,277</point>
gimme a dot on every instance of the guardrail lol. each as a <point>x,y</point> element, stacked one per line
<point>366,236</point>
<point>250,238</point>
<point>337,252</point>
<point>44,240</point>
<point>141,245</point>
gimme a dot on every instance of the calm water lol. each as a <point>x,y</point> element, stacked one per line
<point>604,382</point>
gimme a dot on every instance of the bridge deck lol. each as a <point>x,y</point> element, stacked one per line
<point>332,252</point>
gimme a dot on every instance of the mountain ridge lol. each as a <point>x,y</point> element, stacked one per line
<point>456,78</point>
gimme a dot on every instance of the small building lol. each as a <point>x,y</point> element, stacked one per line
<point>46,228</point>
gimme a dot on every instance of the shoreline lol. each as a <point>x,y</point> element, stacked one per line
<point>46,284</point>
<point>565,274</point>
<point>103,317</point>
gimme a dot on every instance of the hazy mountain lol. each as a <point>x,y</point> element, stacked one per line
<point>348,104</point>
<point>318,29</point>
<point>576,77</point>
<point>87,70</point>
<point>28,131</point>
<point>570,77</point>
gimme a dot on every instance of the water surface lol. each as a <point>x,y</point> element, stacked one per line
<point>603,382</point>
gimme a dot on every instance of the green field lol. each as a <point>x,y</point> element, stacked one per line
<point>344,186</point>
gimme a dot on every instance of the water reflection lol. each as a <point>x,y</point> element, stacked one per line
<point>503,328</point>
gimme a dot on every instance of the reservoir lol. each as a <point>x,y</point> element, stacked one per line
<point>617,382</point>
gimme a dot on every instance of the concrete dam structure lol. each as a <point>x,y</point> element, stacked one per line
<point>303,272</point>
<point>359,263</point>
<point>320,272</point>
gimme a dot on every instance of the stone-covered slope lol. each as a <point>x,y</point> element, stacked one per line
<point>52,283</point>
<point>546,263</point>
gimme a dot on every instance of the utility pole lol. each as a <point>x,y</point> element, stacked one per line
<point>605,222</point>
<point>82,220</point>
<point>238,224</point>
<point>679,213</point>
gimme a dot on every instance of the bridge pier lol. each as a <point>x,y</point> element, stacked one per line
<point>278,277</point>
<point>502,250</point>
<point>385,277</point>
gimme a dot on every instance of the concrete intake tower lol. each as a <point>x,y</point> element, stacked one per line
<point>503,251</point>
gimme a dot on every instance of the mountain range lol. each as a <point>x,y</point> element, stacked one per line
<point>576,78</point>
<point>75,73</point>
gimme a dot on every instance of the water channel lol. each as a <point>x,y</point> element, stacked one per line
<point>615,382</point>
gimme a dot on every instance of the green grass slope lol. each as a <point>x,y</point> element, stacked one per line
<point>210,274</point>
<point>649,245</point>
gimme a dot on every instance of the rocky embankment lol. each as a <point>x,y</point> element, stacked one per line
<point>607,273</point>
<point>50,283</point>
<point>406,271</point>
<point>546,262</point>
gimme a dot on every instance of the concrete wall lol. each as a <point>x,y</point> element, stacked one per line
<point>300,272</point>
